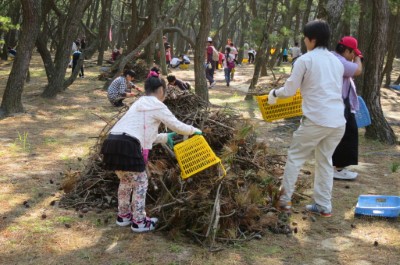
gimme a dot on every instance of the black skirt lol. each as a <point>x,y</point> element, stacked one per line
<point>346,153</point>
<point>122,152</point>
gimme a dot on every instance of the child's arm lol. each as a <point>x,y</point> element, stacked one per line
<point>293,82</point>
<point>170,121</point>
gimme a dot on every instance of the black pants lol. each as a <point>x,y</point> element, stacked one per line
<point>73,68</point>
<point>346,152</point>
<point>251,58</point>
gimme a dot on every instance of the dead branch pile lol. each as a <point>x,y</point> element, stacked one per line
<point>207,206</point>
<point>264,90</point>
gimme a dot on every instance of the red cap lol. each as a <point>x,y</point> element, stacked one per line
<point>351,42</point>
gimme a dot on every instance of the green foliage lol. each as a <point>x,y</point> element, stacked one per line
<point>22,142</point>
<point>351,15</point>
<point>6,25</point>
<point>257,26</point>
<point>394,167</point>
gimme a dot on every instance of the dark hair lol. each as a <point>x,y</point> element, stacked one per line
<point>340,48</point>
<point>319,31</point>
<point>155,69</point>
<point>228,50</point>
<point>296,44</point>
<point>153,83</point>
<point>129,72</point>
<point>171,78</point>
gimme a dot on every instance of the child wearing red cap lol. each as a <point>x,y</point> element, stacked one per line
<point>346,153</point>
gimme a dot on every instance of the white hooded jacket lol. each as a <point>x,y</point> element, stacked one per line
<point>143,119</point>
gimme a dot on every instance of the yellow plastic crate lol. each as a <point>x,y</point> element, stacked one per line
<point>245,60</point>
<point>195,155</point>
<point>284,107</point>
<point>184,66</point>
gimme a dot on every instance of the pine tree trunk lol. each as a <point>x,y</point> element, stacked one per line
<point>69,25</point>
<point>305,20</point>
<point>95,15</point>
<point>363,37</point>
<point>104,28</point>
<point>393,40</point>
<point>201,87</point>
<point>133,30</point>
<point>11,103</point>
<point>379,129</point>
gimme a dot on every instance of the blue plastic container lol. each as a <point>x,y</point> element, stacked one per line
<point>362,115</point>
<point>378,205</point>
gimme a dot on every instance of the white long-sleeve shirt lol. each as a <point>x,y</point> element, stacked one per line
<point>319,75</point>
<point>143,119</point>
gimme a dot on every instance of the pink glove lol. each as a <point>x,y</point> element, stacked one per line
<point>145,154</point>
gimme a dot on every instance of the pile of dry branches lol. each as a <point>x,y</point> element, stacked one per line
<point>208,206</point>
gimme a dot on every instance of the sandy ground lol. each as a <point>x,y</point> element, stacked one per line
<point>53,136</point>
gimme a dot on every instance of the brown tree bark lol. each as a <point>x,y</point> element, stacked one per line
<point>306,18</point>
<point>124,60</point>
<point>392,42</point>
<point>262,55</point>
<point>11,102</point>
<point>199,54</point>
<point>331,11</point>
<point>104,28</point>
<point>68,26</point>
<point>375,54</point>
<point>363,36</point>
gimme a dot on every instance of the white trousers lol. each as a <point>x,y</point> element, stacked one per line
<point>307,138</point>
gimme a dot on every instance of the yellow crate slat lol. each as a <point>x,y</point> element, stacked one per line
<point>284,107</point>
<point>195,155</point>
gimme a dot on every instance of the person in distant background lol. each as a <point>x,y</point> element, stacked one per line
<point>75,58</point>
<point>174,82</point>
<point>115,54</point>
<point>252,54</point>
<point>295,51</point>
<point>11,52</point>
<point>121,88</point>
<point>284,55</point>
<point>168,56</point>
<point>166,43</point>
<point>185,59</point>
<point>210,63</point>
<point>83,43</point>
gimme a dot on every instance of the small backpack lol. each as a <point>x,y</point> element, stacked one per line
<point>229,62</point>
<point>215,55</point>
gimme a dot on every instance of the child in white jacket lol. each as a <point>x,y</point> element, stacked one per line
<point>126,151</point>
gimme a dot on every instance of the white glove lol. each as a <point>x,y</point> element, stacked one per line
<point>197,131</point>
<point>271,97</point>
<point>209,65</point>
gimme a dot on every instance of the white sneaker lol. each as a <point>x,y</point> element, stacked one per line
<point>148,224</point>
<point>213,84</point>
<point>124,220</point>
<point>344,174</point>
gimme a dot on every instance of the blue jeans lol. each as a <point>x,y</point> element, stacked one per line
<point>227,75</point>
